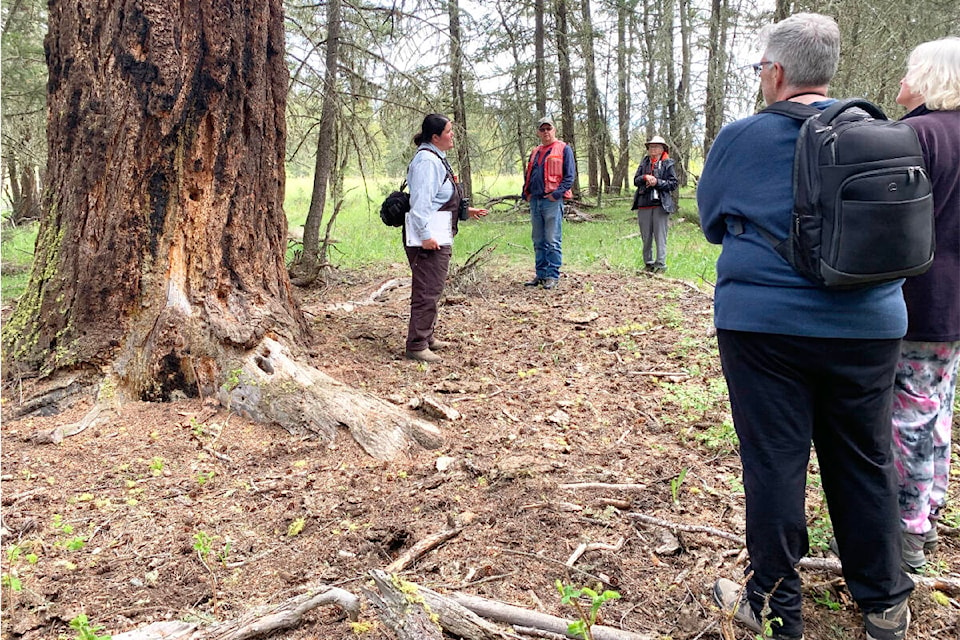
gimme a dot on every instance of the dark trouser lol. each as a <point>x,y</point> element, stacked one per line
<point>429,270</point>
<point>785,391</point>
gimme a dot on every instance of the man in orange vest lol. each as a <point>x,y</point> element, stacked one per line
<point>546,184</point>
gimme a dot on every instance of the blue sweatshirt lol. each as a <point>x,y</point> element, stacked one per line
<point>747,181</point>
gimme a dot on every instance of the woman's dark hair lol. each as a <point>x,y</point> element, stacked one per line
<point>433,125</point>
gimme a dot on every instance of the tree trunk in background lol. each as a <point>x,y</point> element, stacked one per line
<point>540,61</point>
<point>716,64</point>
<point>306,269</point>
<point>567,112</point>
<point>649,76</point>
<point>594,135</point>
<point>682,137</point>
<point>24,191</point>
<point>621,175</point>
<point>459,101</point>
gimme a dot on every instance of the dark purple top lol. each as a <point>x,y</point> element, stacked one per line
<point>933,298</point>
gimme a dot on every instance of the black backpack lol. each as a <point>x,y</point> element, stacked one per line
<point>394,209</point>
<point>863,207</point>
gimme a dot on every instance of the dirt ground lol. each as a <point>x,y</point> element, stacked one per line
<point>183,511</point>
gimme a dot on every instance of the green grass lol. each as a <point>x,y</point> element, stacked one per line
<point>16,256</point>
<point>609,243</point>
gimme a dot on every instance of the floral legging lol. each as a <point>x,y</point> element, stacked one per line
<point>922,419</point>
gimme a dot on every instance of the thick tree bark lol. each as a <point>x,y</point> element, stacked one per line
<point>160,258</point>
<point>164,236</point>
<point>713,108</point>
<point>540,61</point>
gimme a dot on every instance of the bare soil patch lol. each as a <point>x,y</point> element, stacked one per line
<point>607,379</point>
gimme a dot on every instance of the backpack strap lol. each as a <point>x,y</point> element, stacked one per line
<point>791,109</point>
<point>800,111</point>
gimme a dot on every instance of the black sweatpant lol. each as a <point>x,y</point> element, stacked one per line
<point>784,392</point>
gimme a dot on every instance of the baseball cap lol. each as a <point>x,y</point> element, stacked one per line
<point>545,120</point>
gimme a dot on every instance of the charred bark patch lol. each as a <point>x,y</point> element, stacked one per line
<point>159,192</point>
<point>170,377</point>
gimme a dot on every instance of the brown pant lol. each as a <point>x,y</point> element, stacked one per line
<point>429,270</point>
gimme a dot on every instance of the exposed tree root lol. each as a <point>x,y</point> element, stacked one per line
<point>271,386</point>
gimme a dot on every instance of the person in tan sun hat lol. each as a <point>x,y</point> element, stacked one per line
<point>656,180</point>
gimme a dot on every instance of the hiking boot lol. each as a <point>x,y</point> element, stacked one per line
<point>660,269</point>
<point>931,541</point>
<point>533,283</point>
<point>549,283</point>
<point>913,559</point>
<point>648,268</point>
<point>732,597</point>
<point>889,624</point>
<point>423,356</point>
<point>440,345</point>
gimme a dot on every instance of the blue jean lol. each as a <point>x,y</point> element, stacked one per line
<point>784,392</point>
<point>546,218</point>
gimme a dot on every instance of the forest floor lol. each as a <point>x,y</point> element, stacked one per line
<point>183,511</point>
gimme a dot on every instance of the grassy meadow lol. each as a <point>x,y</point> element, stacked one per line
<point>609,242</point>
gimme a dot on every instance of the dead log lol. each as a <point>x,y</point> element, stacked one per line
<point>451,616</point>
<point>503,612</point>
<point>269,385</point>
<point>830,565</point>
<point>256,623</point>
<point>402,609</point>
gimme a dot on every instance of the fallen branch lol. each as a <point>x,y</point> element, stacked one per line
<point>510,614</point>
<point>830,565</point>
<point>690,528</point>
<point>412,554</point>
<point>57,435</point>
<point>257,623</point>
<point>604,485</point>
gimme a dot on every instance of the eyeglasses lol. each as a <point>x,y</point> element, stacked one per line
<point>758,66</point>
<point>545,127</point>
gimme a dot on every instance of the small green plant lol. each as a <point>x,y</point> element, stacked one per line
<point>203,545</point>
<point>11,582</point>
<point>86,631</point>
<point>60,526</point>
<point>827,600</point>
<point>156,466</point>
<point>675,484</point>
<point>571,595</point>
<point>203,477</point>
<point>197,428</point>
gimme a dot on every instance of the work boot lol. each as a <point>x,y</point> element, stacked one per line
<point>549,283</point>
<point>533,283</point>
<point>913,559</point>
<point>931,541</point>
<point>423,356</point>
<point>440,345</point>
<point>732,597</point>
<point>889,624</point>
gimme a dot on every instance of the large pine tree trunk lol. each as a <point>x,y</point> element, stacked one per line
<point>160,258</point>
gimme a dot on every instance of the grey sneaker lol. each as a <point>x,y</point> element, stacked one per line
<point>549,283</point>
<point>731,597</point>
<point>913,559</point>
<point>890,624</point>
